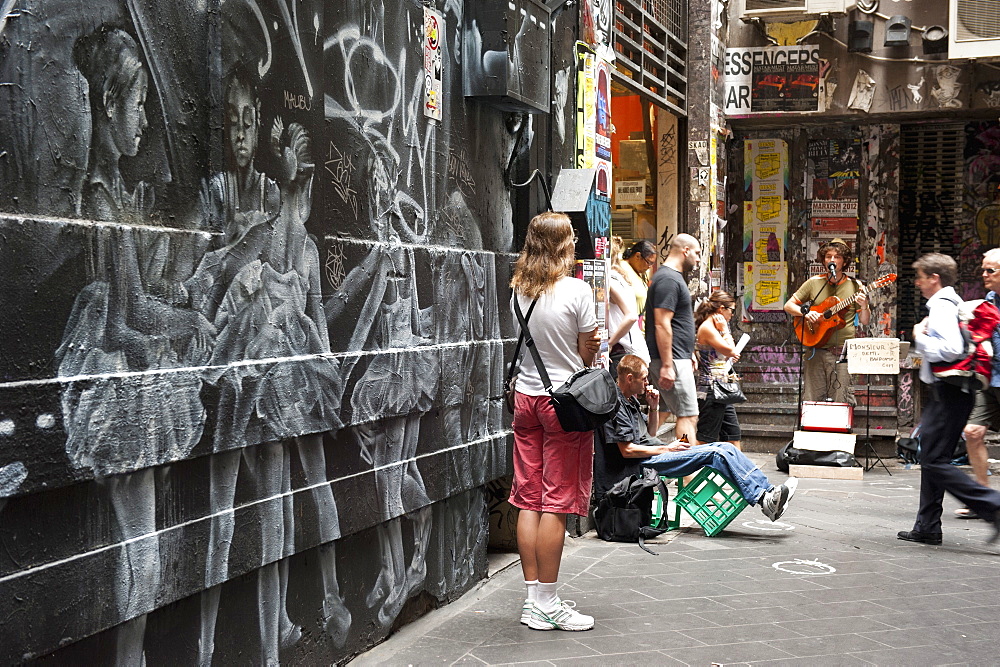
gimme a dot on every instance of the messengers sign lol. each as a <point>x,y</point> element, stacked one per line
<point>767,79</point>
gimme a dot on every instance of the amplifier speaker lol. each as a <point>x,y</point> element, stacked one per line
<point>827,416</point>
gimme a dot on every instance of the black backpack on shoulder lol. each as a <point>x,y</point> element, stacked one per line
<point>625,512</point>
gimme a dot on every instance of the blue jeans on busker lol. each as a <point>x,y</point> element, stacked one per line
<point>719,456</point>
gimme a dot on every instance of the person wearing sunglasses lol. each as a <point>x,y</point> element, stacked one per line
<point>639,262</point>
<point>986,411</point>
<point>714,345</point>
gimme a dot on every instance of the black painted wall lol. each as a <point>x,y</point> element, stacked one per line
<point>253,323</point>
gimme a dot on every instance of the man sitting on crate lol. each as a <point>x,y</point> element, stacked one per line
<point>627,443</point>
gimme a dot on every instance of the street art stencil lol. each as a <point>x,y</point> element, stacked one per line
<point>253,296</point>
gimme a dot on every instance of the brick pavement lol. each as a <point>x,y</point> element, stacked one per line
<point>828,585</point>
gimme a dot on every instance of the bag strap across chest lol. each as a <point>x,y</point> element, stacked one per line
<point>515,362</point>
<point>530,343</point>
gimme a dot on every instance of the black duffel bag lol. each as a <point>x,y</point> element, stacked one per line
<point>807,457</point>
<point>585,401</point>
<point>625,512</point>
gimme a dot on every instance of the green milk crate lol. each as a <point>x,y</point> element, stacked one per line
<point>660,509</point>
<point>712,500</point>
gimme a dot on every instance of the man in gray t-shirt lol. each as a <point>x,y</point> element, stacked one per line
<point>670,334</point>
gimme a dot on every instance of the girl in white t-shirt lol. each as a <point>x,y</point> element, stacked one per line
<point>553,469</point>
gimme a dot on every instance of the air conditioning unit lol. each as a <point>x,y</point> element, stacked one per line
<point>791,10</point>
<point>974,29</point>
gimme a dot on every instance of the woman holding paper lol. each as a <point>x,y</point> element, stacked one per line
<point>715,348</point>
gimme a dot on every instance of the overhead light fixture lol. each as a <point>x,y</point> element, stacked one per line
<point>897,31</point>
<point>859,36</point>
<point>935,39</point>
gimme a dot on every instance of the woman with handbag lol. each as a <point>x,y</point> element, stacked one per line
<point>553,468</point>
<point>717,421</point>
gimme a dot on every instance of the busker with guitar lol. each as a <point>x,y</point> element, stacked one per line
<point>825,335</point>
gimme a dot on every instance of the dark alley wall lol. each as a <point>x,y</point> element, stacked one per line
<point>254,316</point>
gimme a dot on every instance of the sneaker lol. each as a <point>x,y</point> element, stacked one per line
<point>526,610</point>
<point>965,513</point>
<point>776,500</point>
<point>563,617</point>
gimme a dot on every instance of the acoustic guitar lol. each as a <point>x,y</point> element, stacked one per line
<point>831,321</point>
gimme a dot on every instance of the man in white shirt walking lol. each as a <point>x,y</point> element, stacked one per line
<point>938,339</point>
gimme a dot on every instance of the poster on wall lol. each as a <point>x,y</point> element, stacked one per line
<point>764,288</point>
<point>817,239</point>
<point>433,40</point>
<point>602,131</point>
<point>765,210</point>
<point>594,272</point>
<point>842,208</point>
<point>768,242</point>
<point>769,79</point>
<point>586,111</point>
<point>594,118</point>
<point>766,170</point>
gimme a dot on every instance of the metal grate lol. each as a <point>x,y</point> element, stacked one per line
<point>671,13</point>
<point>651,49</point>
<point>977,19</point>
<point>930,204</point>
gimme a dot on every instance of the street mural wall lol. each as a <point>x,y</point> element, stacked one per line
<point>252,343</point>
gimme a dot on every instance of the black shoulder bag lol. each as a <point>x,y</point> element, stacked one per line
<point>582,403</point>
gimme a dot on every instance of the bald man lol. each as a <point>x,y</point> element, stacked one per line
<point>670,335</point>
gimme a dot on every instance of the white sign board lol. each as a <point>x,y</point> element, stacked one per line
<point>819,441</point>
<point>630,193</point>
<point>875,356</point>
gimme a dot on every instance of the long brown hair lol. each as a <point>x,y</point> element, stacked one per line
<point>547,256</point>
<point>616,246</point>
<point>712,305</point>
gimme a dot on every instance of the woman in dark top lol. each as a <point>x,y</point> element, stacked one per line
<point>714,346</point>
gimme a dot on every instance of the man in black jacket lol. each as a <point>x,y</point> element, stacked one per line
<point>627,443</point>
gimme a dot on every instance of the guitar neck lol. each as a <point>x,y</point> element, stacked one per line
<point>881,282</point>
<point>844,304</point>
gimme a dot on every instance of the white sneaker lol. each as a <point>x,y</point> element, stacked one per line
<point>526,610</point>
<point>776,500</point>
<point>563,617</point>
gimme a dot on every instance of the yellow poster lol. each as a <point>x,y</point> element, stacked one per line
<point>768,242</point>
<point>765,285</point>
<point>766,171</point>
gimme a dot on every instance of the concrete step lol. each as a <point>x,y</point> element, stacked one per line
<point>768,439</point>
<point>861,392</point>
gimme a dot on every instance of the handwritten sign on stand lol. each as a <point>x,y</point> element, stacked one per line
<point>874,356</point>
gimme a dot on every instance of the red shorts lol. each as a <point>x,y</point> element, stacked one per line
<point>553,469</point>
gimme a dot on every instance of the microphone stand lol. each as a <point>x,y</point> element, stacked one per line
<point>802,353</point>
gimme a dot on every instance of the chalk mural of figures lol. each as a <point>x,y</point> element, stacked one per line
<point>117,417</point>
<point>262,292</point>
<point>465,311</point>
<point>396,389</point>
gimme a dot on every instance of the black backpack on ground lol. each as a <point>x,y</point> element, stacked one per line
<point>625,512</point>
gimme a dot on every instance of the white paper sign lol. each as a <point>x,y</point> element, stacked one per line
<point>875,356</point>
<point>630,193</point>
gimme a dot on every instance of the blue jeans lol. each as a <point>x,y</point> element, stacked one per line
<point>721,457</point>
